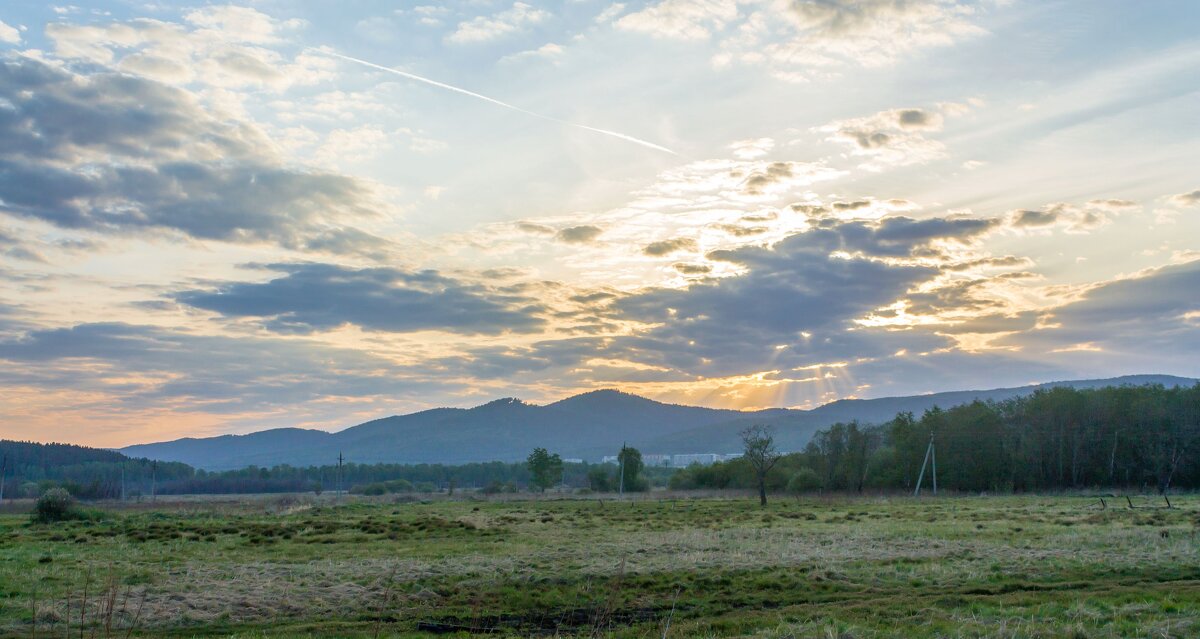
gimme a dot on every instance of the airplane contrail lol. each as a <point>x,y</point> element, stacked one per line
<point>478,96</point>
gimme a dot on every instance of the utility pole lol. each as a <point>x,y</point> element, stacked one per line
<point>933,463</point>
<point>338,491</point>
<point>930,454</point>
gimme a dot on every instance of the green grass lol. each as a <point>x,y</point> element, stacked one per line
<point>870,567</point>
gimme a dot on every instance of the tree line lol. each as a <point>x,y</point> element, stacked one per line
<point>1127,437</point>
<point>30,469</point>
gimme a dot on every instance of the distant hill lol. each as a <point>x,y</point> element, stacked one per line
<point>589,426</point>
<point>19,454</point>
<point>90,473</point>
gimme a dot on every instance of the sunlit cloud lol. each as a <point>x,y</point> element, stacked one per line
<point>798,41</point>
<point>9,34</point>
<point>1191,198</point>
<point>485,28</point>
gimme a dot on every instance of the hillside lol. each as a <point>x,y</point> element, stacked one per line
<point>589,426</point>
<point>92,473</point>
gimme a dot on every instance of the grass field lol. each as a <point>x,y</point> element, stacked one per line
<point>711,567</point>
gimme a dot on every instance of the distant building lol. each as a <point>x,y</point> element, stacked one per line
<point>572,460</point>
<point>682,460</point>
<point>685,460</point>
<point>656,460</point>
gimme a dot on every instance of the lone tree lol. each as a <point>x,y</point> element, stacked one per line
<point>630,460</point>
<point>544,468</point>
<point>760,453</point>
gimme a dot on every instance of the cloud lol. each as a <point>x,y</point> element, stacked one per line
<point>9,35</point>
<point>889,138</point>
<point>117,153</point>
<point>681,19</point>
<point>1073,219</point>
<point>608,13</point>
<point>1113,204</point>
<point>240,24</point>
<point>666,247</point>
<point>219,46</point>
<point>579,234</point>
<point>137,367</point>
<point>429,15</point>
<point>752,149</point>
<point>731,325</point>
<point>801,39</point>
<point>741,231</point>
<point>1191,198</point>
<point>486,28</point>
<point>1028,218</point>
<point>692,269</point>
<point>816,282</point>
<point>548,51</point>
<point>735,182</point>
<point>319,297</point>
<point>15,248</point>
<point>535,229</point>
<point>1139,322</point>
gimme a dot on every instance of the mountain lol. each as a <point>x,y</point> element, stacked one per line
<point>589,426</point>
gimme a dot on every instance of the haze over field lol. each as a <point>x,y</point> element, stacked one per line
<point>222,219</point>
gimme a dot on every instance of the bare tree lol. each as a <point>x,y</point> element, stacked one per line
<point>760,453</point>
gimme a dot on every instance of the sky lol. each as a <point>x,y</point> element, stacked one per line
<point>224,218</point>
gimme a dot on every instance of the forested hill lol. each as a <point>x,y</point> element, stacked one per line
<point>93,473</point>
<point>587,426</point>
<point>25,456</point>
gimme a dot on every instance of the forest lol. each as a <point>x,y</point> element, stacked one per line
<point>1126,437</point>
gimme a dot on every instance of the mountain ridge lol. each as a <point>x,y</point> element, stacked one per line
<point>588,425</point>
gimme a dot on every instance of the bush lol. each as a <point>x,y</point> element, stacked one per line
<point>805,480</point>
<point>368,489</point>
<point>54,505</point>
<point>599,480</point>
<point>398,486</point>
<point>638,485</point>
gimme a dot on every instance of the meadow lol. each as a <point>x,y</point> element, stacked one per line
<point>659,566</point>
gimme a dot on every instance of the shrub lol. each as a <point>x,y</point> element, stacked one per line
<point>599,480</point>
<point>398,486</point>
<point>54,505</point>
<point>805,480</point>
<point>368,489</point>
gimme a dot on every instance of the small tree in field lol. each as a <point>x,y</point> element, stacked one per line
<point>54,505</point>
<point>545,469</point>
<point>630,461</point>
<point>760,453</point>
